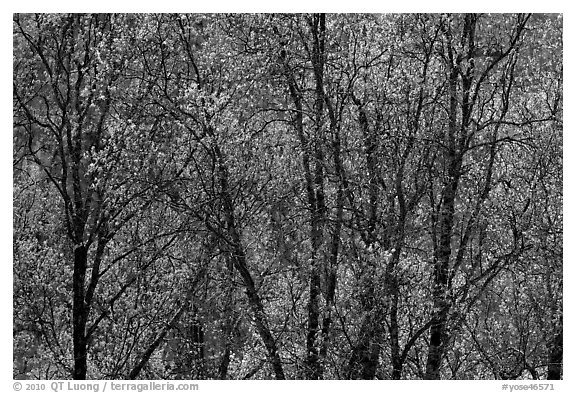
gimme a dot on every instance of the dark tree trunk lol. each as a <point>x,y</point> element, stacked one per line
<point>238,257</point>
<point>555,354</point>
<point>259,315</point>
<point>197,336</point>
<point>145,357</point>
<point>394,336</point>
<point>317,204</point>
<point>79,313</point>
<point>443,249</point>
<point>228,323</point>
<point>312,162</point>
<point>331,266</point>
<point>224,363</point>
<point>438,333</point>
<point>436,348</point>
<point>364,360</point>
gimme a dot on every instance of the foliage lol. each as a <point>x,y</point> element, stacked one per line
<point>287,196</point>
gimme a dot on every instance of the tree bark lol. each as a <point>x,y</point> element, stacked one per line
<point>145,357</point>
<point>364,360</point>
<point>555,354</point>
<point>443,249</point>
<point>79,313</point>
<point>312,162</point>
<point>314,368</point>
<point>255,302</point>
<point>238,257</point>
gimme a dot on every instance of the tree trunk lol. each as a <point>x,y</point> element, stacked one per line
<point>228,322</point>
<point>555,354</point>
<point>331,264</point>
<point>438,333</point>
<point>364,360</point>
<point>79,313</point>
<point>443,249</point>
<point>145,357</point>
<point>394,335</point>
<point>258,311</point>
<point>436,348</point>
<point>238,257</point>
<point>197,336</point>
<point>317,204</point>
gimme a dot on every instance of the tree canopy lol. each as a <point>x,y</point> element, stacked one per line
<point>287,196</point>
